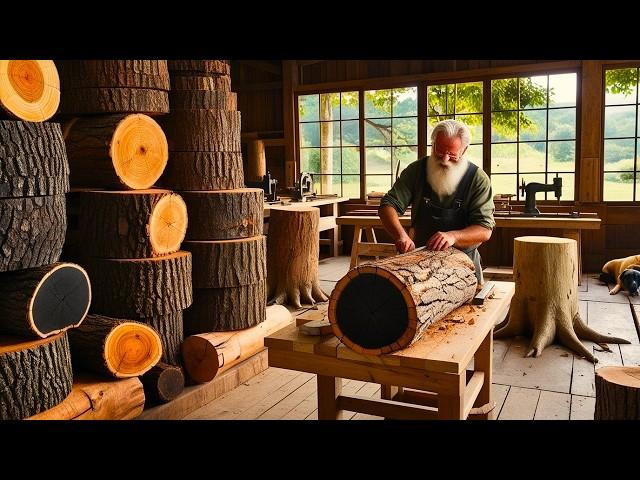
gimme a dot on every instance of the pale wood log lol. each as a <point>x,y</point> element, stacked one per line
<point>162,383</point>
<point>257,161</point>
<point>387,305</point>
<point>208,354</point>
<point>617,393</point>
<point>32,231</point>
<point>292,257</point>
<point>152,74</point>
<point>203,131</point>
<point>199,67</point>
<point>33,159</point>
<point>95,398</point>
<point>140,288</point>
<point>545,304</point>
<point>225,214</point>
<point>204,171</point>
<point>228,263</point>
<point>43,301</point>
<point>228,308</point>
<point>35,375</point>
<point>131,224</point>
<point>94,101</point>
<point>114,347</point>
<point>116,151</point>
<point>29,89</point>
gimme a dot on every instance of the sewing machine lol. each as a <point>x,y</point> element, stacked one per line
<point>303,188</point>
<point>269,186</point>
<point>530,209</point>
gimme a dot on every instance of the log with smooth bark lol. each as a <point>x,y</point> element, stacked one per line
<point>292,257</point>
<point>162,383</point>
<point>387,305</point>
<point>35,375</point>
<point>116,151</point>
<point>203,131</point>
<point>33,159</point>
<point>617,393</point>
<point>140,288</point>
<point>29,89</point>
<point>225,214</point>
<point>32,231</point>
<point>199,67</point>
<point>101,101</point>
<point>208,354</point>
<point>204,171</point>
<point>131,224</point>
<point>43,301</point>
<point>545,304</point>
<point>152,74</point>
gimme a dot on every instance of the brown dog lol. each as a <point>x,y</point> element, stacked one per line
<point>624,272</point>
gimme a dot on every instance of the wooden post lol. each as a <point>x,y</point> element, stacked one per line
<point>257,161</point>
<point>329,388</point>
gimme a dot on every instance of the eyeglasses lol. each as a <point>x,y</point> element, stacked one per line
<point>441,155</point>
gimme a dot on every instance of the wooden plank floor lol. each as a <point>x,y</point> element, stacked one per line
<point>555,386</point>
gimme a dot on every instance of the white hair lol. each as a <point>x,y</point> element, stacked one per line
<point>452,128</point>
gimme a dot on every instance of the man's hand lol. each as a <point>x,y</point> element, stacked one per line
<point>404,244</point>
<point>441,241</point>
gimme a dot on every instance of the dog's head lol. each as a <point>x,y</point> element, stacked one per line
<point>630,278</point>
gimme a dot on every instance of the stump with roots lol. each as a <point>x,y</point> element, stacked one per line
<point>617,393</point>
<point>293,249</point>
<point>545,304</point>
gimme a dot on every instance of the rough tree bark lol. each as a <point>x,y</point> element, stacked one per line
<point>203,131</point>
<point>204,171</point>
<point>617,393</point>
<point>387,305</point>
<point>29,89</point>
<point>171,331</point>
<point>221,83</point>
<point>292,257</point>
<point>545,303</point>
<point>94,101</point>
<point>202,100</point>
<point>152,74</point>
<point>199,67</point>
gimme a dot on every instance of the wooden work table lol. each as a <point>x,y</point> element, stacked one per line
<point>435,367</point>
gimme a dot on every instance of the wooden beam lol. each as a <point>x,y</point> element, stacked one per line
<point>289,85</point>
<point>591,118</point>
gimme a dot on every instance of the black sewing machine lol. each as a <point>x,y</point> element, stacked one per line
<point>303,188</point>
<point>269,186</point>
<point>530,209</point>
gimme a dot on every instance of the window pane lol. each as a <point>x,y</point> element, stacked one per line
<point>504,126</point>
<point>330,134</point>
<point>350,105</point>
<point>568,186</point>
<point>405,131</point>
<point>532,156</point>
<point>562,157</point>
<point>474,154</point>
<point>503,184</point>
<point>326,184</point>
<point>351,133</point>
<point>504,158</point>
<point>474,122</point>
<point>504,94</point>
<point>529,178</point>
<point>351,160</point>
<point>351,186</point>
<point>404,155</point>
<point>405,102</point>
<point>619,155</point>
<point>309,134</point>
<point>618,187</point>
<point>377,103</point>
<point>440,99</point>
<point>378,160</point>
<point>308,108</point>
<point>621,86</point>
<point>310,160</point>
<point>469,97</point>
<point>329,106</point>
<point>533,125</point>
<point>562,124</point>
<point>378,183</point>
<point>562,90</point>
<point>377,131</point>
<point>533,92</point>
<point>432,122</point>
<point>330,160</point>
<point>620,121</point>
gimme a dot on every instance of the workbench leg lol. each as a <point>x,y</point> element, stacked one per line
<point>328,390</point>
<point>371,237</point>
<point>577,236</point>
<point>451,407</point>
<point>357,235</point>
<point>483,362</point>
<point>334,233</point>
<point>387,392</point>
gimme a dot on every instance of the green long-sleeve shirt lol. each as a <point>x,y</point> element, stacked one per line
<point>407,191</point>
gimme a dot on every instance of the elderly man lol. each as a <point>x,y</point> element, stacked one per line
<point>451,198</point>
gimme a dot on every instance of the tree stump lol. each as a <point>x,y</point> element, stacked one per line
<point>29,89</point>
<point>162,383</point>
<point>545,303</point>
<point>387,305</point>
<point>204,171</point>
<point>114,347</point>
<point>617,393</point>
<point>293,249</point>
<point>43,301</point>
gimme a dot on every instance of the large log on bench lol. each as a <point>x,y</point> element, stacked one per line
<point>387,305</point>
<point>43,301</point>
<point>162,383</point>
<point>114,347</point>
<point>204,171</point>
<point>33,159</point>
<point>115,151</point>
<point>29,89</point>
<point>617,393</point>
<point>35,375</point>
<point>131,224</point>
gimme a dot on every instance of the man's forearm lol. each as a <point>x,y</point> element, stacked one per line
<point>391,222</point>
<point>471,235</point>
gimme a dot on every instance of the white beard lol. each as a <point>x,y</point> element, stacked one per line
<point>445,180</point>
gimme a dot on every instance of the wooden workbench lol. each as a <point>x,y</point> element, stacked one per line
<point>434,368</point>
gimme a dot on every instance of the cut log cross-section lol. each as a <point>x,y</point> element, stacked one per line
<point>43,301</point>
<point>387,305</point>
<point>617,393</point>
<point>162,383</point>
<point>203,131</point>
<point>292,256</point>
<point>29,89</point>
<point>114,347</point>
<point>545,304</point>
<point>35,375</point>
<point>204,171</point>
<point>116,151</point>
<point>225,214</point>
<point>131,224</point>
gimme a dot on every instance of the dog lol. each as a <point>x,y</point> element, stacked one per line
<point>624,272</point>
